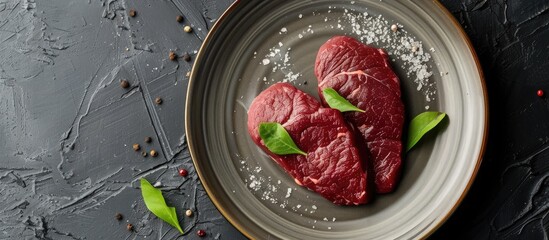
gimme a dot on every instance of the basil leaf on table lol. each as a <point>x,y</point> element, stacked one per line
<point>156,204</point>
<point>277,139</point>
<point>422,124</point>
<point>336,101</point>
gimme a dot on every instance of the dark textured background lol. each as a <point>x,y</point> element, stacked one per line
<point>66,127</point>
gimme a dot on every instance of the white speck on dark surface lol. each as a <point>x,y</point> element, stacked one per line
<point>288,193</point>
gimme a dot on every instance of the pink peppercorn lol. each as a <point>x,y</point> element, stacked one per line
<point>183,172</point>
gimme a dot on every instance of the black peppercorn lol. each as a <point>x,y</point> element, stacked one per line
<point>158,100</point>
<point>172,56</point>
<point>124,84</point>
<point>187,57</point>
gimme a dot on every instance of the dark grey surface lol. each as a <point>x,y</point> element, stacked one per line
<point>66,127</point>
<point>510,197</point>
<point>67,165</point>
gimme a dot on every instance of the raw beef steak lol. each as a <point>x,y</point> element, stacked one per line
<point>362,75</point>
<point>333,166</point>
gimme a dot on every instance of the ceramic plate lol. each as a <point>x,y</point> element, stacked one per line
<point>258,43</point>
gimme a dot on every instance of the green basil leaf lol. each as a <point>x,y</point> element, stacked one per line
<point>422,124</point>
<point>336,101</point>
<point>156,204</point>
<point>277,139</point>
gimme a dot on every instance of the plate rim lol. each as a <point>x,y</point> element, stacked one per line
<point>217,202</point>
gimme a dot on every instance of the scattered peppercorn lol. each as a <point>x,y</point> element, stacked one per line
<point>153,153</point>
<point>124,84</point>
<point>118,216</point>
<point>183,172</point>
<point>187,29</point>
<point>144,154</point>
<point>187,57</point>
<point>394,28</point>
<point>188,213</point>
<point>179,18</point>
<point>540,93</point>
<point>148,139</point>
<point>136,147</point>
<point>172,56</point>
<point>201,233</point>
<point>158,100</point>
<point>305,83</point>
<point>129,227</point>
<point>133,13</point>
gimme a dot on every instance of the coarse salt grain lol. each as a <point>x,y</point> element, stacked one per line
<point>280,59</point>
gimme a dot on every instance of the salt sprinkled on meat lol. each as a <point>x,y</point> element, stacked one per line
<point>370,29</point>
<point>399,45</point>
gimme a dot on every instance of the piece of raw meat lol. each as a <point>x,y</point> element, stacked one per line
<point>362,75</point>
<point>333,166</point>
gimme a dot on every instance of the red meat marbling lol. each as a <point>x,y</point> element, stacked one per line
<point>362,75</point>
<point>333,166</point>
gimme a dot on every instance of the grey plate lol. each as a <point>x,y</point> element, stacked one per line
<point>235,64</point>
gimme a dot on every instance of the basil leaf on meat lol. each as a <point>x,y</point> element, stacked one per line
<point>277,139</point>
<point>338,102</point>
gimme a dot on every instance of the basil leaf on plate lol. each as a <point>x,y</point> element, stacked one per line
<point>156,204</point>
<point>336,101</point>
<point>277,139</point>
<point>422,124</point>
